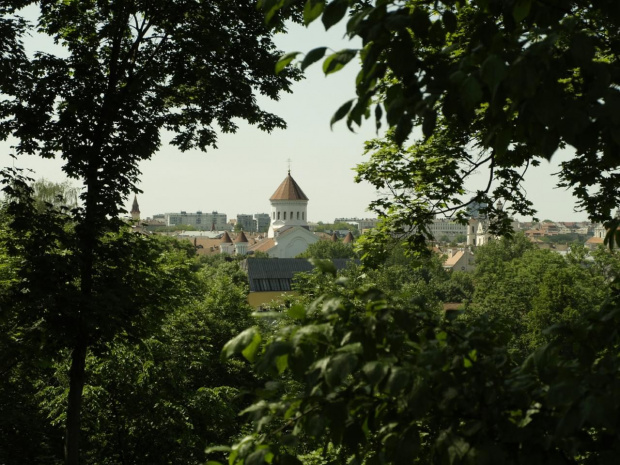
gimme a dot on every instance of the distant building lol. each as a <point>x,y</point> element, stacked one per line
<point>206,221</point>
<point>361,223</point>
<point>441,227</point>
<point>459,260</point>
<point>262,221</point>
<point>246,222</point>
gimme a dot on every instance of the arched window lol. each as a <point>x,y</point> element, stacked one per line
<point>291,215</point>
<point>278,215</point>
<point>274,215</point>
<point>284,216</point>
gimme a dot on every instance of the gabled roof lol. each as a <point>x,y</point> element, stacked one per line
<point>241,237</point>
<point>453,260</point>
<point>348,238</point>
<point>288,190</point>
<point>263,246</point>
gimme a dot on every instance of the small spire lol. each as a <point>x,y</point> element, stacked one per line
<point>289,166</point>
<point>135,208</point>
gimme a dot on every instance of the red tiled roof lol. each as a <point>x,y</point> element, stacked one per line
<point>263,246</point>
<point>289,190</point>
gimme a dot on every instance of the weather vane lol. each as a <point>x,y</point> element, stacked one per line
<point>289,165</point>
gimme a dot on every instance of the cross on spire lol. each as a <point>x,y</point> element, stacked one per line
<point>289,165</point>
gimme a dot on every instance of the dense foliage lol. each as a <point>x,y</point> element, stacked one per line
<point>156,393</point>
<point>530,377</point>
<point>120,73</point>
<point>496,86</point>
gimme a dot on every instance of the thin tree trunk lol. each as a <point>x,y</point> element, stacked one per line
<point>76,386</point>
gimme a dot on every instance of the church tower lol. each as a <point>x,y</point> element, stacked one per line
<point>289,206</point>
<point>135,209</point>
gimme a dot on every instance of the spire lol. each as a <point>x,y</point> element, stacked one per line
<point>135,208</point>
<point>348,238</point>
<point>334,237</point>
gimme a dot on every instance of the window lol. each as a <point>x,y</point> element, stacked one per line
<point>291,215</point>
<point>274,215</point>
<point>297,215</point>
<point>284,216</point>
<point>278,215</point>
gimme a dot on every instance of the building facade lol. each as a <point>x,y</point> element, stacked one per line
<point>262,220</point>
<point>206,221</point>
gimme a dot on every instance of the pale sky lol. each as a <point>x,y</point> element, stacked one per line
<point>247,167</point>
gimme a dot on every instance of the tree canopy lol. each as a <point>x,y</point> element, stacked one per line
<point>493,85</point>
<point>123,72</point>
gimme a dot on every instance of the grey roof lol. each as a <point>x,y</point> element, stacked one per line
<point>276,274</point>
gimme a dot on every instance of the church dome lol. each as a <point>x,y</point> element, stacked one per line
<point>288,190</point>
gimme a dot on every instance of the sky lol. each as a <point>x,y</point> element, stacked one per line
<point>248,166</point>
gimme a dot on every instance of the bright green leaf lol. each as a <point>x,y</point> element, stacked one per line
<point>312,10</point>
<point>284,61</point>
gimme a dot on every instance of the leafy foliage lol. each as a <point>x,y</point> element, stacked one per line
<point>387,382</point>
<point>493,85</point>
<point>328,250</point>
<point>126,71</point>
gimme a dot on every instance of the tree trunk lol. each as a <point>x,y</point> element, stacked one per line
<point>76,385</point>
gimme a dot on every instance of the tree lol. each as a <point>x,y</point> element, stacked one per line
<point>128,70</point>
<point>387,381</point>
<point>166,397</point>
<point>499,85</point>
<point>328,250</point>
<point>58,195</point>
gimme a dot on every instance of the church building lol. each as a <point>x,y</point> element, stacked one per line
<point>288,234</point>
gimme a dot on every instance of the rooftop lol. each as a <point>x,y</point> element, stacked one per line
<point>289,190</point>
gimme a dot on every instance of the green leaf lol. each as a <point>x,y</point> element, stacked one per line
<point>312,10</point>
<point>324,266</point>
<point>339,367</point>
<point>403,129</point>
<point>250,351</point>
<point>297,312</point>
<point>282,363</point>
<point>341,112</point>
<point>241,342</point>
<point>472,93</point>
<point>375,372</point>
<point>397,381</point>
<point>313,56</point>
<point>334,12</point>
<point>338,60</point>
<point>521,10</point>
<point>493,71</point>
<point>284,61</point>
